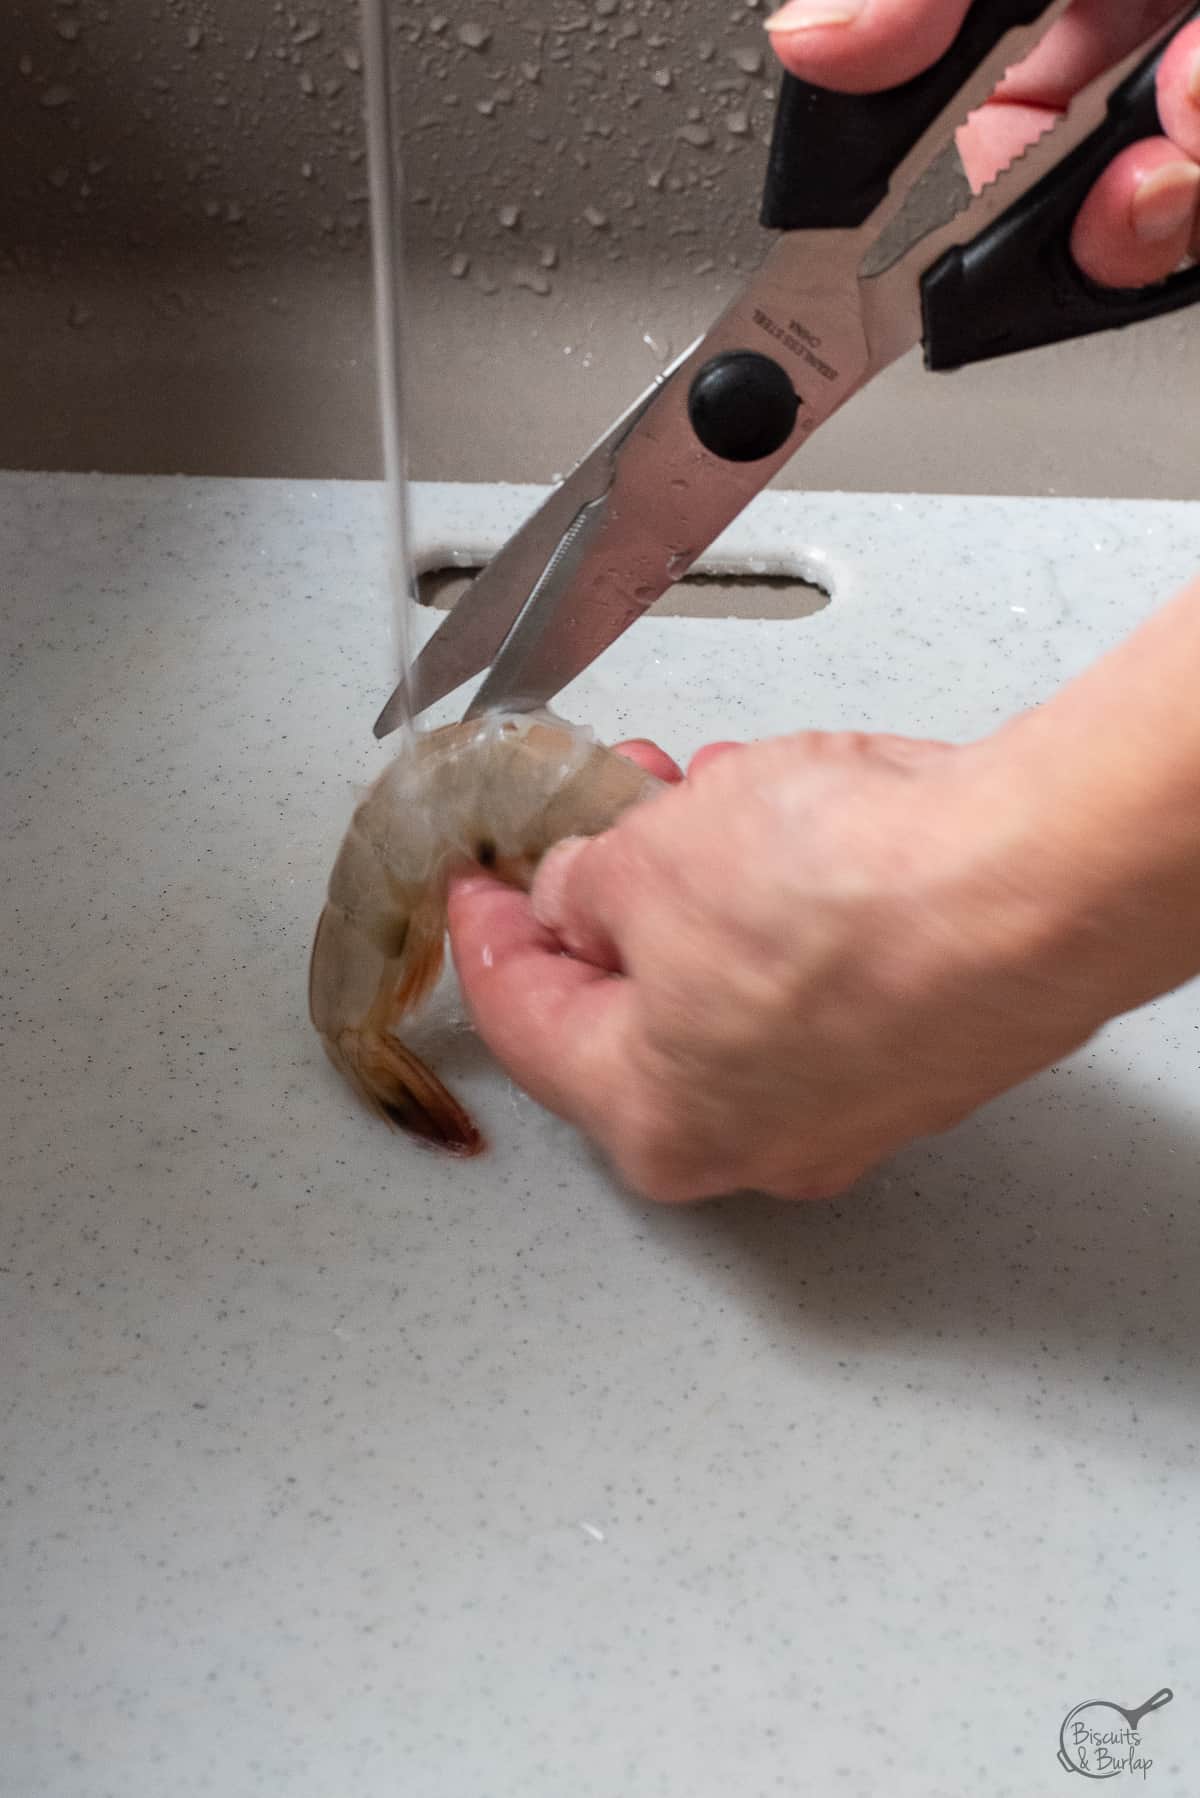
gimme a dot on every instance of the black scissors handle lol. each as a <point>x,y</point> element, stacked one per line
<point>833,155</point>
<point>1016,286</point>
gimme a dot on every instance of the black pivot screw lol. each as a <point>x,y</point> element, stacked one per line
<point>742,406</point>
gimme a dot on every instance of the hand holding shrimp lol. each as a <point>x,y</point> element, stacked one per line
<point>494,794</point>
<point>832,944</point>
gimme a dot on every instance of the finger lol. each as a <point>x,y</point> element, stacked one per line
<point>545,1017</point>
<point>861,46</point>
<point>711,752</point>
<point>1179,91</point>
<point>651,759</point>
<point>1136,224</point>
<point>581,890</point>
<point>1089,38</point>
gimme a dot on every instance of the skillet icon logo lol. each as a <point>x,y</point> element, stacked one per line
<point>1102,1740</point>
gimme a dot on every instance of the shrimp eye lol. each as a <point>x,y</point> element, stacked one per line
<point>485,853</point>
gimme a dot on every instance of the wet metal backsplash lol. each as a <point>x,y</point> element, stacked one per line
<point>532,130</point>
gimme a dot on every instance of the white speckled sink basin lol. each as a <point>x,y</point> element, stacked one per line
<point>329,1467</point>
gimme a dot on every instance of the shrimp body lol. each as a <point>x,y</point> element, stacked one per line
<point>494,792</point>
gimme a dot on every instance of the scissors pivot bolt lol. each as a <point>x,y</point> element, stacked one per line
<point>742,406</point>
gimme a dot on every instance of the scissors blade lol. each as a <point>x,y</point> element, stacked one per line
<point>668,497</point>
<point>470,636</point>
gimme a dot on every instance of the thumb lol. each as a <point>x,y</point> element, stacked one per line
<point>570,898</point>
<point>554,1023</point>
<point>861,46</point>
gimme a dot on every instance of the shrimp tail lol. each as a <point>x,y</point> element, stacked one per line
<point>398,1086</point>
<point>357,992</point>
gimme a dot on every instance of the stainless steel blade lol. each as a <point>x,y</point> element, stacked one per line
<point>468,639</point>
<point>670,497</point>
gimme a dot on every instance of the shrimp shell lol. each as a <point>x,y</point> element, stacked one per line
<point>494,792</point>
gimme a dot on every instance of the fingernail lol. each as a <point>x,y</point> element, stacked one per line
<point>1164,201</point>
<point>811,15</point>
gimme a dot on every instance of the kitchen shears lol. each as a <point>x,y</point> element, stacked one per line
<point>882,246</point>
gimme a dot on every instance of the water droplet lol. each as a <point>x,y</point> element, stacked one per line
<point>661,78</point>
<point>307,85</point>
<point>438,23</point>
<point>79,315</point>
<point>307,33</point>
<point>472,35</point>
<point>459,265</point>
<point>68,29</point>
<point>532,71</point>
<point>696,134</point>
<point>705,50</point>
<point>737,122</point>
<point>532,278</point>
<point>596,219</point>
<point>56,95</point>
<point>352,58</point>
<point>509,216</point>
<point>25,65</point>
<point>486,107</point>
<point>193,37</point>
<point>548,256</point>
<point>749,61</point>
<point>306,169</point>
<point>59,177</point>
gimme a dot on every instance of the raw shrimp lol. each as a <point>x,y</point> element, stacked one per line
<point>495,792</point>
